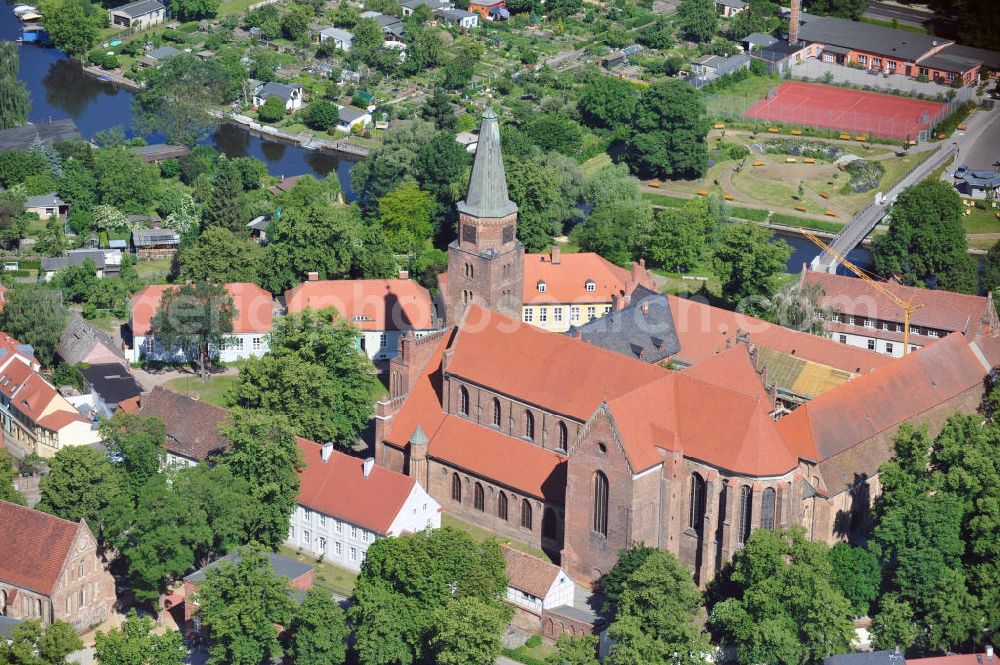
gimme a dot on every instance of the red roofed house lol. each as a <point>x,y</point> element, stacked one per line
<point>346,503</point>
<point>192,426</point>
<point>34,416</point>
<point>251,324</point>
<point>582,451</point>
<point>382,309</point>
<point>534,584</point>
<point>867,318</point>
<point>50,570</point>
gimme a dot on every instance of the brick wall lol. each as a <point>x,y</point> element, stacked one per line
<point>85,579</point>
<point>492,278</point>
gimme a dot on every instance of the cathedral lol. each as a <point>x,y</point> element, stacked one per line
<point>581,451</point>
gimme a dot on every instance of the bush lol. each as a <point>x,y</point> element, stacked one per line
<point>272,110</point>
<point>865,175</point>
<point>534,642</point>
<point>175,36</point>
<point>322,115</point>
<point>953,119</point>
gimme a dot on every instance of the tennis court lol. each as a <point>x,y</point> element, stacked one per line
<point>853,112</point>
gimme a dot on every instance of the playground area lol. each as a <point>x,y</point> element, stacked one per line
<point>856,113</point>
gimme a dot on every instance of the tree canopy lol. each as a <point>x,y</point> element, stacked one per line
<point>33,314</point>
<point>667,134</point>
<point>196,318</point>
<point>747,262</point>
<point>135,643</point>
<point>7,475</point>
<point>33,645</point>
<point>319,631</point>
<point>219,254</point>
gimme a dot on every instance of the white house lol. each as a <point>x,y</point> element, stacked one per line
<point>342,39</point>
<point>346,503</point>
<point>46,206</point>
<point>352,118</point>
<point>291,95</point>
<point>463,19</point>
<point>140,15</point>
<point>251,325</point>
<point>382,309</point>
<point>410,6</point>
<point>536,585</point>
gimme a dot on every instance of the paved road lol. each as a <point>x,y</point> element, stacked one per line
<point>909,15</point>
<point>984,150</point>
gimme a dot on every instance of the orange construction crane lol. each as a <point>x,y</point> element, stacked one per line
<point>907,307</point>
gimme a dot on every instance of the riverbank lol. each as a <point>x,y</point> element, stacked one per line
<point>304,140</point>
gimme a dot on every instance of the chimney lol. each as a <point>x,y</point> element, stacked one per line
<point>989,652</point>
<point>556,255</point>
<point>793,23</point>
<point>404,274</point>
<point>312,276</point>
<point>369,463</point>
<point>327,451</point>
<point>645,309</point>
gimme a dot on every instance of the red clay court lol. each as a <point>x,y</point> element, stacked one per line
<point>853,112</point>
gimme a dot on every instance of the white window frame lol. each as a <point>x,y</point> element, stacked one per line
<point>557,314</point>
<point>574,313</point>
<point>591,312</point>
<point>529,314</point>
<point>590,286</point>
<point>257,343</point>
<point>543,314</point>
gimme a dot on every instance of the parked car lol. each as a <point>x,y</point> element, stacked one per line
<point>961,171</point>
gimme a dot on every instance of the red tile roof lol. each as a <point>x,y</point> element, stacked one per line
<point>528,573</point>
<point>254,309</point>
<point>518,464</point>
<point>31,394</point>
<point>942,310</point>
<point>555,372</point>
<point>705,331</point>
<point>34,547</point>
<point>565,281</point>
<point>370,304</point>
<point>856,411</point>
<point>422,407</point>
<point>130,405</point>
<point>56,420</point>
<point>192,425</point>
<point>338,488</point>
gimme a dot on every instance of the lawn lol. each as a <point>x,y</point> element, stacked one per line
<point>213,391</point>
<point>595,164</point>
<point>774,192</point>
<point>740,95</point>
<point>981,221</point>
<point>154,270</point>
<point>806,222</point>
<point>664,200</point>
<point>227,7</point>
<point>326,576</point>
<point>480,534</point>
<point>535,655</point>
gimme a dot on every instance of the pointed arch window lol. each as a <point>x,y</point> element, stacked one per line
<point>529,425</point>
<point>464,401</point>
<point>525,514</point>
<point>456,488</point>
<point>479,498</point>
<point>696,514</point>
<point>563,436</point>
<point>502,506</point>
<point>746,513</point>
<point>767,503</point>
<point>496,412</point>
<point>601,503</point>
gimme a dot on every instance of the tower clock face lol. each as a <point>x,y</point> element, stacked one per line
<point>508,233</point>
<point>469,233</point>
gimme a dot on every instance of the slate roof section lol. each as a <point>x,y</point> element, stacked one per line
<point>34,547</point>
<point>528,573</point>
<point>139,8</point>
<point>192,425</point>
<point>77,257</point>
<point>157,152</point>
<point>941,310</point>
<point>487,195</point>
<point>644,330</point>
<point>338,488</point>
<point>369,304</point>
<point>866,658</point>
<point>907,46</point>
<point>51,200</point>
<point>281,566</point>
<point>162,53</point>
<point>827,429</point>
<point>279,90</point>
<point>21,138</point>
<point>7,626</point>
<point>112,382</point>
<point>79,338</point>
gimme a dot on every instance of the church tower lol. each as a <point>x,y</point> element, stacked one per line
<point>486,262</point>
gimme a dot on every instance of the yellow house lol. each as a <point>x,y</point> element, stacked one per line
<point>563,290</point>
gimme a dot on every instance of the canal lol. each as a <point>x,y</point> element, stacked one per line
<point>60,90</point>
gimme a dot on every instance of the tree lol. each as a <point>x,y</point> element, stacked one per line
<point>747,262</point>
<point>578,650</point>
<point>387,166</point>
<point>72,25</point>
<point>77,186</point>
<point>196,318</point>
<point>135,643</point>
<point>542,208</point>
<point>263,452</point>
<point>407,217</point>
<point>440,165</point>
<point>221,256</point>
<point>893,625</point>
<point>469,631</point>
<point>224,500</point>
<point>319,631</point>
<point>313,375</point>
<point>926,239</point>
<point>615,230</point>
<point>15,102</point>
<point>193,10</point>
<point>781,606</point>
<point>7,475</point>
<point>655,615</point>
<point>438,109</point>
<point>272,110</point>
<point>677,238</point>
<point>83,485</point>
<point>225,207</point>
<point>178,95</point>
<point>613,584</point>
<point>667,136</point>
<point>608,102</point>
<point>322,115</point>
<point>33,314</point>
<point>32,645</point>
<point>851,9</point>
<point>553,131</point>
<point>797,306</point>
<point>124,181</point>
<point>857,574</point>
<point>137,441</point>
<point>367,35</point>
<point>295,24</point>
<point>697,20</point>
<point>240,603</point>
<point>991,269</point>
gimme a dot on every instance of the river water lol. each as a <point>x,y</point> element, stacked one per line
<point>60,90</point>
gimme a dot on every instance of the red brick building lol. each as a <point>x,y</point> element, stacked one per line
<point>50,570</point>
